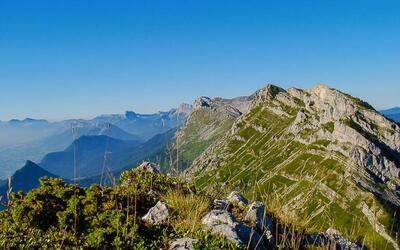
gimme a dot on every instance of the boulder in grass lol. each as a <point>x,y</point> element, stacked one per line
<point>157,214</point>
<point>183,244</point>
<point>223,223</point>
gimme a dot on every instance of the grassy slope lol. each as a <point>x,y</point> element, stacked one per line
<point>306,179</point>
<point>204,127</point>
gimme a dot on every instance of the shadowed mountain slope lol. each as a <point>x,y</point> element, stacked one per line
<point>90,151</point>
<point>24,179</point>
<point>152,150</point>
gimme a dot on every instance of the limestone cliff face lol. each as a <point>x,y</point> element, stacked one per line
<point>299,142</point>
<point>369,139</point>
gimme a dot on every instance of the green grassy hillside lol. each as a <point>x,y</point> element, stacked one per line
<point>205,125</point>
<point>300,175</point>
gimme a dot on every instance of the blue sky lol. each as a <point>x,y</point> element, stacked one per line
<point>62,59</point>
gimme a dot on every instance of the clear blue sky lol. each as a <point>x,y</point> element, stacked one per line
<point>79,58</point>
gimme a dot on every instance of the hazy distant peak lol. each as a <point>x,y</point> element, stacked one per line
<point>130,115</point>
<point>28,120</point>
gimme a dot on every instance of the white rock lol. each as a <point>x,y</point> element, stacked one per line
<point>183,244</point>
<point>157,214</point>
<point>202,102</point>
<point>223,223</point>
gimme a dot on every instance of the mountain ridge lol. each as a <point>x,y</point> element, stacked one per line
<point>306,143</point>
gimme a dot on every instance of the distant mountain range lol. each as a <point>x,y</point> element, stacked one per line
<point>155,150</point>
<point>90,150</point>
<point>17,132</point>
<point>393,113</point>
<point>143,126</point>
<point>89,153</point>
<point>13,156</point>
<point>32,139</point>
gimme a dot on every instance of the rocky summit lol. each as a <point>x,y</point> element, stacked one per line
<point>327,158</point>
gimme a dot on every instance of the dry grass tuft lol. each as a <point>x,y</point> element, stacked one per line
<point>188,209</point>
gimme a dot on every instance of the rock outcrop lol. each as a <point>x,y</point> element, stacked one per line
<point>232,107</point>
<point>157,214</point>
<point>224,223</point>
<point>256,230</point>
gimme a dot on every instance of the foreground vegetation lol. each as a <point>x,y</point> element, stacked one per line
<point>68,216</point>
